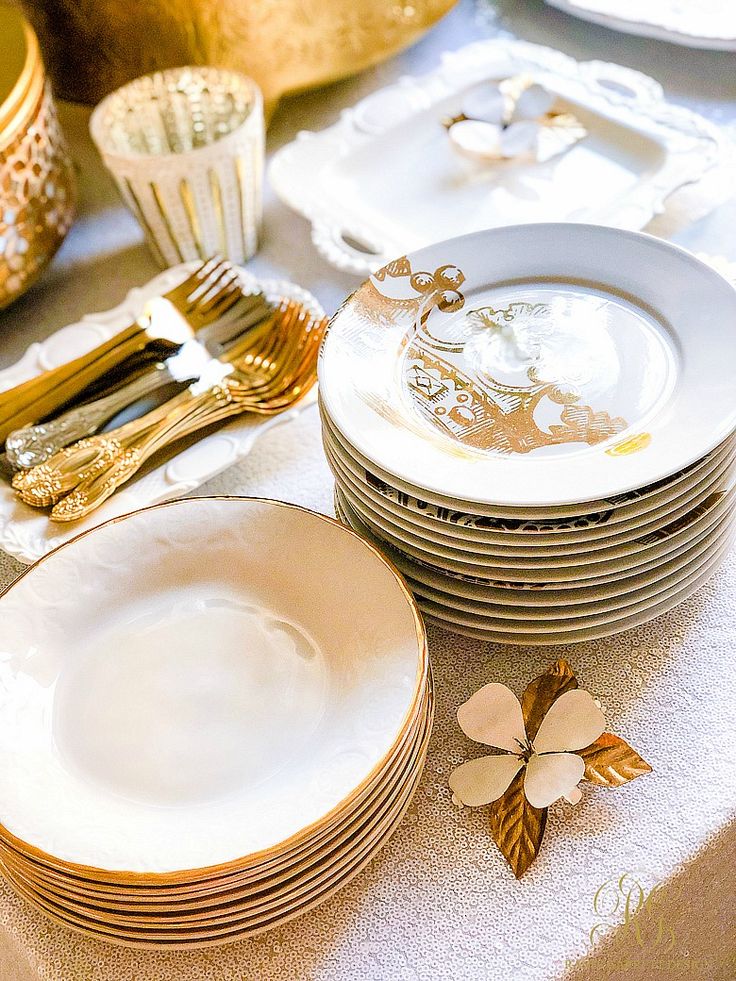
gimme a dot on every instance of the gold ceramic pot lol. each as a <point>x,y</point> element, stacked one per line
<point>94,46</point>
<point>36,178</point>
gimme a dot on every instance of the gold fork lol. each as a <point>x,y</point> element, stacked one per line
<point>264,378</point>
<point>200,299</point>
<point>44,484</point>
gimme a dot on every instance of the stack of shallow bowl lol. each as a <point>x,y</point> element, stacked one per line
<point>536,423</point>
<point>212,715</point>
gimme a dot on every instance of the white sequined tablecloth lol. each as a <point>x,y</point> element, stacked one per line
<point>439,902</point>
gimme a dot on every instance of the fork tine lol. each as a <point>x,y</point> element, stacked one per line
<point>194,279</point>
<point>211,272</point>
<point>218,302</point>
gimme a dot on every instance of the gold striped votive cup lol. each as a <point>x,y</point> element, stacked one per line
<point>186,147</point>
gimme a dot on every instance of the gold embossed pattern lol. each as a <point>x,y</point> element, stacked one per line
<point>36,199</point>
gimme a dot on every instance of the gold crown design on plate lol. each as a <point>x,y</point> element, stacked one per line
<point>471,406</point>
<point>479,410</point>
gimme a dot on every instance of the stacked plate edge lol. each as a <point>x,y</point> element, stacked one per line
<point>226,742</point>
<point>536,424</point>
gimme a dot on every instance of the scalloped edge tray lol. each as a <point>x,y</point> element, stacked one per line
<point>691,145</point>
<point>26,533</point>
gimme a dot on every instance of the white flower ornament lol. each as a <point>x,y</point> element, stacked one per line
<point>493,716</point>
<point>501,120</point>
<point>549,741</point>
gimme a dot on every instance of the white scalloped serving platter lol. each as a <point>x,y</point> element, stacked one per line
<point>384,180</point>
<point>26,533</point>
<point>692,23</point>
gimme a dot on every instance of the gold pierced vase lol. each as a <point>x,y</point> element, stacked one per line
<point>37,195</point>
<point>186,147</point>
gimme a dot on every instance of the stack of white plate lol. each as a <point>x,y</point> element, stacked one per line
<point>213,713</point>
<point>536,423</point>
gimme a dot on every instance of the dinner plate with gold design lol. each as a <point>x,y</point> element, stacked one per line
<point>475,627</point>
<point>429,534</point>
<point>535,365</point>
<point>656,549</point>
<point>491,628</point>
<point>446,521</point>
<point>706,508</point>
<point>555,619</point>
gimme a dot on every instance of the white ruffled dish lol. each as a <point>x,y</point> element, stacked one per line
<point>25,532</point>
<point>226,699</point>
<point>386,179</point>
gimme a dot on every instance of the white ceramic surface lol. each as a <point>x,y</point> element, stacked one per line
<point>225,696</point>
<point>535,365</point>
<point>694,23</point>
<point>385,179</point>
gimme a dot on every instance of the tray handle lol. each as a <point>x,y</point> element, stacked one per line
<point>350,250</point>
<point>626,82</point>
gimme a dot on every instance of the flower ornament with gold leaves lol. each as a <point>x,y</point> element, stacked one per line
<point>547,743</point>
<point>512,118</point>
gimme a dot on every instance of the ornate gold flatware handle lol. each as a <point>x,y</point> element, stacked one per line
<point>32,445</point>
<point>40,396</point>
<point>97,486</point>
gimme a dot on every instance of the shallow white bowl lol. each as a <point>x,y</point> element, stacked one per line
<point>199,682</point>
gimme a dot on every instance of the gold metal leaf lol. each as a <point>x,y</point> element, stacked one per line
<point>540,693</point>
<point>517,827</point>
<point>610,761</point>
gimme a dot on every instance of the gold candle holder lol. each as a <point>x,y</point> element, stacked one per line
<point>185,147</point>
<point>37,193</point>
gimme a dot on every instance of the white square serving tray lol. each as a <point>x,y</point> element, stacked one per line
<point>25,532</point>
<point>384,180</point>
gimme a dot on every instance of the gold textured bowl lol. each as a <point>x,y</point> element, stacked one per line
<point>92,48</point>
<point>36,179</point>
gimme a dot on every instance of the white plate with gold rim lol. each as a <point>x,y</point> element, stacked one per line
<point>545,563</point>
<point>271,895</point>
<point>510,543</point>
<point>179,753</point>
<point>535,365</point>
<point>474,627</point>
<point>448,525</point>
<point>260,922</point>
<point>644,589</point>
<point>193,895</point>
<point>445,510</point>
<point>192,890</point>
<point>662,548</point>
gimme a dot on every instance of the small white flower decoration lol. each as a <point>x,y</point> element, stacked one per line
<point>510,118</point>
<point>493,716</point>
<point>549,741</point>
